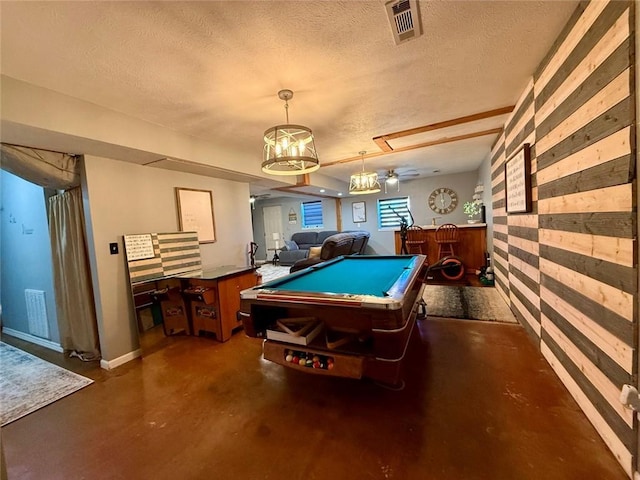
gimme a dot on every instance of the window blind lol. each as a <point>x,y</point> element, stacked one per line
<point>312,214</point>
<point>390,210</point>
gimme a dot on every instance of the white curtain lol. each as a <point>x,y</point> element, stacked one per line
<point>72,277</point>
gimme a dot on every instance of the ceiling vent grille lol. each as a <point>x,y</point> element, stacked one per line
<point>404,20</point>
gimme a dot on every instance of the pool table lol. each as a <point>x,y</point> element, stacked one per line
<point>364,306</point>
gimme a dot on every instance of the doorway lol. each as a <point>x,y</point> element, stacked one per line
<point>272,218</point>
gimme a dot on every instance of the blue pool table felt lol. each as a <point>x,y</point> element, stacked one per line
<point>352,276</point>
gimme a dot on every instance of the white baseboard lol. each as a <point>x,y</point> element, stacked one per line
<point>43,342</point>
<point>116,362</point>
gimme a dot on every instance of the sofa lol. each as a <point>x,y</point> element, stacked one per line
<point>345,243</point>
<point>298,247</point>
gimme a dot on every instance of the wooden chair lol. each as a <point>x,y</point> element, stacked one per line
<point>416,241</point>
<point>446,237</point>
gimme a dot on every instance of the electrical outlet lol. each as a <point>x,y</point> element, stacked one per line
<point>113,248</point>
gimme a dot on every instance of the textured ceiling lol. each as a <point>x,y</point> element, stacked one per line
<point>213,69</point>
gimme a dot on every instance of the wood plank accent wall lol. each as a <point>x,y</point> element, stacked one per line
<point>568,269</point>
<point>174,253</point>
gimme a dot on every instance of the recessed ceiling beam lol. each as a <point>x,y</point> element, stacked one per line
<point>382,140</point>
<point>457,138</point>
<point>439,141</point>
<point>447,123</point>
<point>293,189</point>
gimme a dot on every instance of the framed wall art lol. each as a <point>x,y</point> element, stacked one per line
<point>517,176</point>
<point>195,213</point>
<point>359,211</point>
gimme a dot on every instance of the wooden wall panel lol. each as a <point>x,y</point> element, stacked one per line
<point>499,254</point>
<point>524,292</point>
<point>569,268</point>
<point>588,254</point>
<point>174,253</point>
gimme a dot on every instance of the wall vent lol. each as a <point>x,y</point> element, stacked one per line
<point>37,313</point>
<point>404,20</point>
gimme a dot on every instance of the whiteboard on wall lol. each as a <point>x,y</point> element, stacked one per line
<point>195,213</point>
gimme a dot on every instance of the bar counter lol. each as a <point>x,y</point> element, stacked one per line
<point>471,247</point>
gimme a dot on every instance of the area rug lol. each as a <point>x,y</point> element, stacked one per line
<point>28,383</point>
<point>473,303</point>
<point>271,272</point>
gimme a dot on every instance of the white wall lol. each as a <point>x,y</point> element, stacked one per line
<point>122,198</point>
<point>381,242</point>
<point>418,191</point>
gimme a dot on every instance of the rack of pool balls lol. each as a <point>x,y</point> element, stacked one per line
<point>308,359</point>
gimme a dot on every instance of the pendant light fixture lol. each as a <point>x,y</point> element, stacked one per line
<point>289,149</point>
<point>364,182</point>
<point>391,179</point>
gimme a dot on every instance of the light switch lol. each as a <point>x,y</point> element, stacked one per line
<point>113,248</point>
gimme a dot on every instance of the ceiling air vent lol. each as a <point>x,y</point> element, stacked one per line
<point>404,20</point>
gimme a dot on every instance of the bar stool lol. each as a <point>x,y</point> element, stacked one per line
<point>416,241</point>
<point>446,237</point>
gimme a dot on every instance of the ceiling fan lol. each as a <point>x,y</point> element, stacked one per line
<point>393,177</point>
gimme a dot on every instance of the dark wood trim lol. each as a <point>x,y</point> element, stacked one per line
<point>498,203</point>
<point>498,187</point>
<point>624,433</point>
<point>500,220</point>
<point>602,316</point>
<point>616,275</point>
<point>616,118</point>
<point>596,223</point>
<point>608,174</point>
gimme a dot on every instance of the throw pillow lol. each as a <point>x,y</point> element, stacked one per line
<point>314,252</point>
<point>290,245</point>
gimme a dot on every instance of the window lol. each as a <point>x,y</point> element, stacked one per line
<point>312,214</point>
<point>390,210</point>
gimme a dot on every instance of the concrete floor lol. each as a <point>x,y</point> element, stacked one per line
<point>479,403</point>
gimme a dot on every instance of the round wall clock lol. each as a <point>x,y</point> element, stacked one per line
<point>443,200</point>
